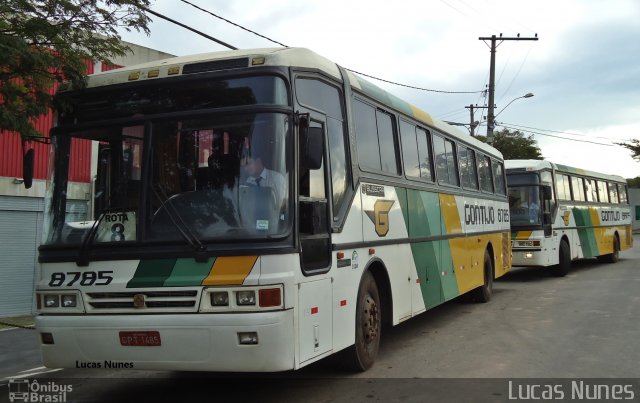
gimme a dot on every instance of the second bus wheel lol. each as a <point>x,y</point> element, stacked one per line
<point>363,353</point>
<point>564,262</point>
<point>614,256</point>
<point>484,292</point>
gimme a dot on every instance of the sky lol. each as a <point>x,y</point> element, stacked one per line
<point>584,69</point>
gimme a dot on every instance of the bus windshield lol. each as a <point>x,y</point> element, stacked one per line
<point>219,177</point>
<point>524,205</point>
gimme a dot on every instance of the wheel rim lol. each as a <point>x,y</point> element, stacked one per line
<point>371,321</point>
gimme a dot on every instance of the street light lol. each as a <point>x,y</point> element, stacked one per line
<point>469,127</point>
<point>492,118</point>
<point>527,95</point>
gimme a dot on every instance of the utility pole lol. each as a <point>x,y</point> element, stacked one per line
<point>492,77</point>
<point>471,125</point>
<point>472,121</point>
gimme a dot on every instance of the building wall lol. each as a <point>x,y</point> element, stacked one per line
<point>21,210</point>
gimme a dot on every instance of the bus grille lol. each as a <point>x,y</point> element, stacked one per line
<point>154,301</point>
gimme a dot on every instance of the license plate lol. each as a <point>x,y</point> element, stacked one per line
<point>141,338</point>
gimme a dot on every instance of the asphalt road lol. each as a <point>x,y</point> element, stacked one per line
<point>537,326</point>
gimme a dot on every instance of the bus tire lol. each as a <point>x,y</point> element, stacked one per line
<point>615,255</point>
<point>363,353</point>
<point>564,262</point>
<point>484,292</point>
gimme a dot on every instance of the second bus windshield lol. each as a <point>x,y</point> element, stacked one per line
<point>525,199</point>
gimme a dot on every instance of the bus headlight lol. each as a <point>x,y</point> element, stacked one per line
<point>67,301</point>
<point>51,301</point>
<point>247,297</point>
<point>219,298</point>
<point>242,298</point>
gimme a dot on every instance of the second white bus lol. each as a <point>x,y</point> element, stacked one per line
<point>560,214</point>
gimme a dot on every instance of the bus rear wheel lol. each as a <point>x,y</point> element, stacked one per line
<point>564,262</point>
<point>615,255</point>
<point>363,353</point>
<point>484,292</point>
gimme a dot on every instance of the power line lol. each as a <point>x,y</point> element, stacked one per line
<point>558,137</point>
<point>556,131</point>
<point>281,44</point>
<point>211,38</point>
<point>233,23</point>
<point>414,87</point>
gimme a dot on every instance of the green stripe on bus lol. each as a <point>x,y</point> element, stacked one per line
<point>189,272</point>
<point>152,273</point>
<point>448,277</point>
<point>587,235</point>
<point>434,263</point>
<point>424,214</point>
<point>425,256</point>
<point>402,199</point>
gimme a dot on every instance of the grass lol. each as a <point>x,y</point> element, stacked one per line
<point>16,320</point>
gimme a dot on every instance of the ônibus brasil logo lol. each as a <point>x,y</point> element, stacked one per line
<point>25,390</point>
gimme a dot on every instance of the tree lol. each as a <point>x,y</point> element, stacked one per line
<point>634,146</point>
<point>514,145</point>
<point>45,42</point>
<point>634,182</point>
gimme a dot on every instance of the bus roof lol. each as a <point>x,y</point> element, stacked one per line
<point>539,165</point>
<point>290,57</point>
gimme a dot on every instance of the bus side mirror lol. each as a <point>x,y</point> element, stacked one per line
<point>546,192</point>
<point>27,168</point>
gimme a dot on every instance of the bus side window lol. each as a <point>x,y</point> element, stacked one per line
<point>446,161</point>
<point>467,161</point>
<point>364,116</point>
<point>622,192</point>
<point>591,190</point>
<point>484,173</point>
<point>613,193</point>
<point>424,153</point>
<point>410,155</point>
<point>498,177</point>
<point>387,138</point>
<point>603,195</point>
<point>577,187</point>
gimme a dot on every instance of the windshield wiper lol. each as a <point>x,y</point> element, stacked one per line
<point>83,252</point>
<point>181,226</point>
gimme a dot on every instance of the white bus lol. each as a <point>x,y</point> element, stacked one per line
<point>184,254</point>
<point>560,214</point>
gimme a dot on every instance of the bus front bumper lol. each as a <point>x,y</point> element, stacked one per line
<point>528,257</point>
<point>187,342</point>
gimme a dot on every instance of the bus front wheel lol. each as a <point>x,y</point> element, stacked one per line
<point>363,353</point>
<point>564,262</point>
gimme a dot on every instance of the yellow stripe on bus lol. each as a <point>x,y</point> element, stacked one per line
<point>450,214</point>
<point>230,270</point>
<point>523,234</point>
<point>464,250</point>
<point>421,115</point>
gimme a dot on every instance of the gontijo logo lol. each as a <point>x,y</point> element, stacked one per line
<point>25,390</point>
